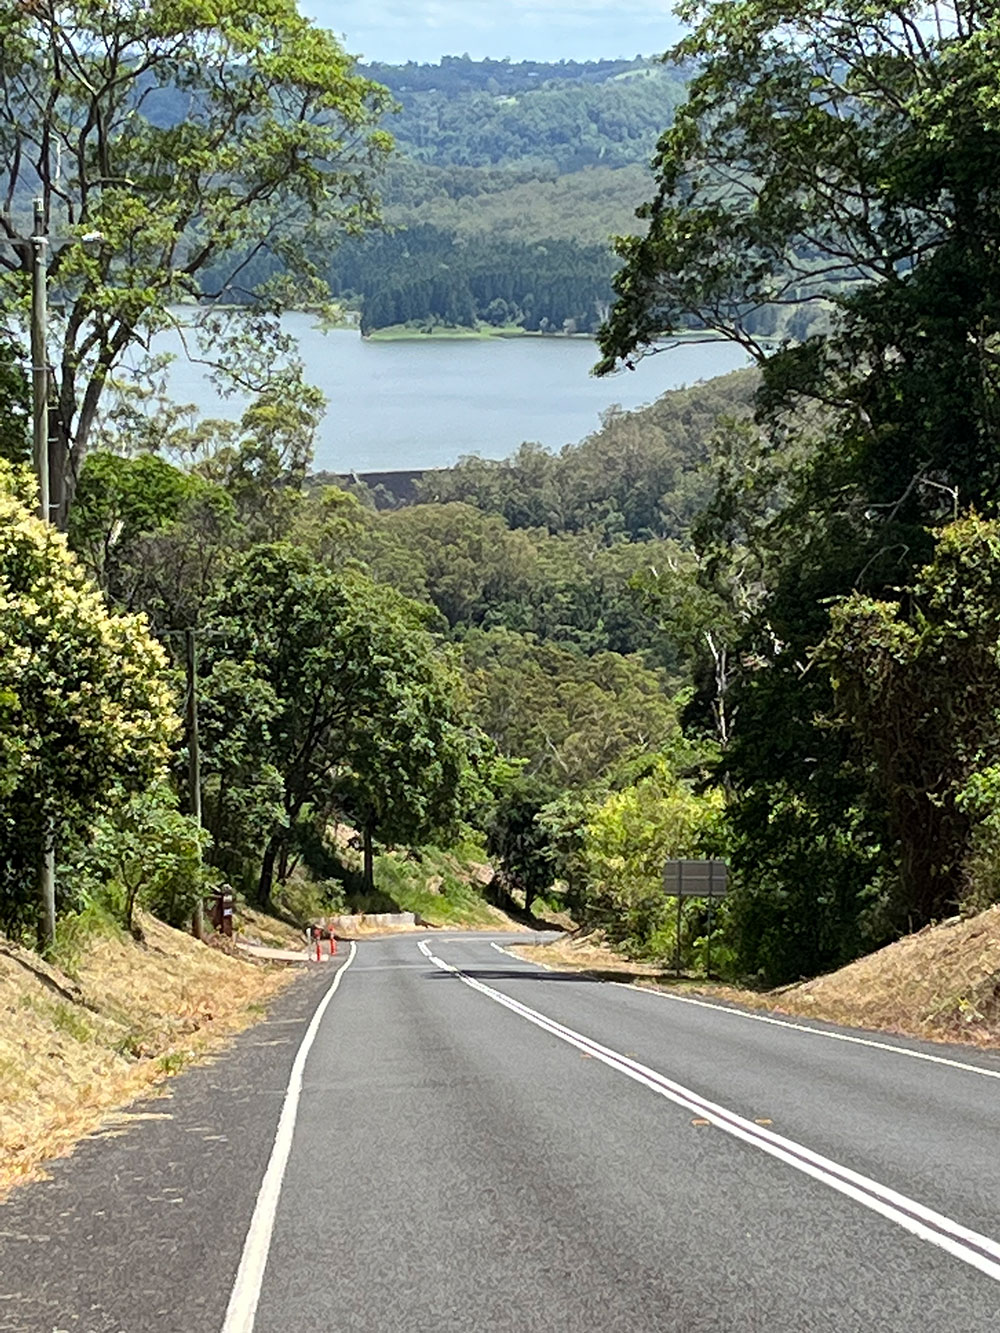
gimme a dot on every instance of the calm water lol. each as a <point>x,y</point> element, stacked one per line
<point>417,404</point>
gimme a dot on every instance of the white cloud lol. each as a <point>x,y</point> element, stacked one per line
<point>520,29</point>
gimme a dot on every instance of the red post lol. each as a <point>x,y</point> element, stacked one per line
<point>319,954</point>
<point>333,943</point>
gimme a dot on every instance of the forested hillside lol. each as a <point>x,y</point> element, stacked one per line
<point>507,184</point>
<point>513,179</point>
<point>465,113</point>
<point>488,667</point>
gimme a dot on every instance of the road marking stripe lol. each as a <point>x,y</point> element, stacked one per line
<point>787,1023</point>
<point>243,1299</point>
<point>979,1251</point>
<point>816,1032</point>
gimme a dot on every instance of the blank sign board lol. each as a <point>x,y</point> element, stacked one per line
<point>695,879</point>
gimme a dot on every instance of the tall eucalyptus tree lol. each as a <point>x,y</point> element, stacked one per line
<point>183,136</point>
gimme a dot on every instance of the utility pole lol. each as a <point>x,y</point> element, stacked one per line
<point>194,757</point>
<point>39,359</point>
<point>40,455</point>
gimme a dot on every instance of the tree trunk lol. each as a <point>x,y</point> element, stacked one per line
<point>369,862</point>
<point>934,842</point>
<point>264,884</point>
<point>283,862</point>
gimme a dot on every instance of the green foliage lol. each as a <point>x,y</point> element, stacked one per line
<point>444,887</point>
<point>15,411</point>
<point>628,838</point>
<point>829,182</point>
<point>979,801</point>
<point>182,134</point>
<point>516,204</point>
<point>85,705</point>
<point>641,475</point>
<point>357,708</point>
<point>568,116</point>
<point>243,790</point>
<point>119,500</point>
<point>517,839</point>
<point>815,152</point>
<point>512,180</point>
<point>144,853</point>
<point>424,274</point>
<point>262,464</point>
<point>917,682</point>
<point>572,717</point>
<point>303,901</point>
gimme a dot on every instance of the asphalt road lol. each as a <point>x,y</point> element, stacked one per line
<point>479,1144</point>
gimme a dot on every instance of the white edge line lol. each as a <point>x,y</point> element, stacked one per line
<point>242,1307</point>
<point>919,1220</point>
<point>816,1032</point>
<point>506,951</point>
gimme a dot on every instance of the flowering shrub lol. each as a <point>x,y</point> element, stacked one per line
<point>86,708</point>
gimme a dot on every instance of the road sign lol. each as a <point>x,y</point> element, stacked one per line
<point>695,879</point>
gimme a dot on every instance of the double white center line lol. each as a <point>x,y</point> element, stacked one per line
<point>971,1247</point>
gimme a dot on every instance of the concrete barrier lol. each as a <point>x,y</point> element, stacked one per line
<point>348,925</point>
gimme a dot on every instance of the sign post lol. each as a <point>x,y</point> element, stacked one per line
<point>695,879</point>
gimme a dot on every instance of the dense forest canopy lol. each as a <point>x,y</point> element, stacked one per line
<point>845,156</point>
<point>520,170</point>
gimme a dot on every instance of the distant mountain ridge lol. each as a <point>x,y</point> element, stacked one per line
<point>510,180</point>
<point>461,74</point>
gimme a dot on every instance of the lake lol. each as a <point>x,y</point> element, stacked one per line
<point>422,403</point>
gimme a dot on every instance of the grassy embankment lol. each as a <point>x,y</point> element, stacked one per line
<point>109,1020</point>
<point>442,888</point>
<point>942,983</point>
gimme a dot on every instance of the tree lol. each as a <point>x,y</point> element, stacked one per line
<point>184,135</point>
<point>814,153</point>
<point>519,841</point>
<point>831,183</point>
<point>119,500</point>
<point>572,718</point>
<point>916,682</point>
<point>262,461</point>
<point>155,538</point>
<point>242,790</point>
<point>469,561</point>
<point>15,432</point>
<point>842,161</point>
<point>361,710</point>
<point>86,709</point>
<point>412,759</point>
<point>143,852</point>
<point>628,838</point>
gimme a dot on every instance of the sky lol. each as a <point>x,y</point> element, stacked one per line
<point>399,30</point>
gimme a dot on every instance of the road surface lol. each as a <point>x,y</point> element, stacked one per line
<point>472,1142</point>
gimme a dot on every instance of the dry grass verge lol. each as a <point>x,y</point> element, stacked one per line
<point>586,953</point>
<point>942,983</point>
<point>74,1047</point>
